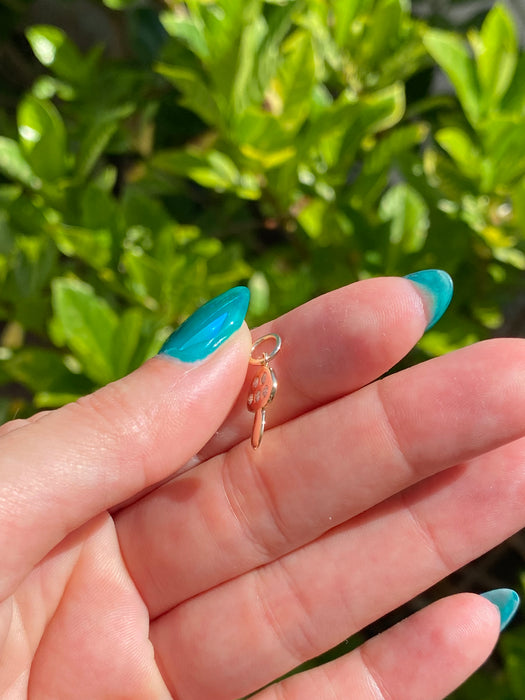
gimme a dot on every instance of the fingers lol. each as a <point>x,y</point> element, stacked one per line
<point>426,656</point>
<point>96,453</point>
<point>319,470</point>
<point>274,618</point>
<point>59,471</point>
<point>332,346</point>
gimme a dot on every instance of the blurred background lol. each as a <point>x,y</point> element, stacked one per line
<point>153,154</point>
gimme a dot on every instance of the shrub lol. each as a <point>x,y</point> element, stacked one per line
<point>292,145</point>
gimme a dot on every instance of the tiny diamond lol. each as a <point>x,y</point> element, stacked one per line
<point>255,383</point>
<point>250,399</point>
<point>257,395</point>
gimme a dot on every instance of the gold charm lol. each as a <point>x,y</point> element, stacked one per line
<point>263,386</point>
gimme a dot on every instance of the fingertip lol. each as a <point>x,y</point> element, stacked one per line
<point>475,626</point>
<point>209,327</point>
<point>506,601</point>
<point>436,288</point>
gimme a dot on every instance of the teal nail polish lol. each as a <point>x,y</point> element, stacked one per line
<point>209,327</point>
<point>507,601</point>
<point>437,285</point>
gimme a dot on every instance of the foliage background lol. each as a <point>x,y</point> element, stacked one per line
<point>154,154</point>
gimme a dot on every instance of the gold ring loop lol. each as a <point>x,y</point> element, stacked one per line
<point>266,356</point>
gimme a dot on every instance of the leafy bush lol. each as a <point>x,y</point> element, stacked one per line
<point>290,144</point>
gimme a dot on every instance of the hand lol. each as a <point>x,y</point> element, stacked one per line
<point>227,576</point>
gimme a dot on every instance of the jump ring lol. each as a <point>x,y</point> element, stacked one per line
<point>266,356</point>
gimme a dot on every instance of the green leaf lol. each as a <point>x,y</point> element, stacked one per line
<point>197,95</point>
<point>394,143</point>
<point>99,210</point>
<point>35,257</point>
<point>451,53</point>
<point>445,176</point>
<point>441,342</point>
<point>92,246</point>
<point>279,21</point>
<point>510,256</point>
<point>295,80</point>
<point>55,51</point>
<point>324,223</point>
<point>14,165</point>
<point>408,216</point>
<point>225,21</point>
<point>345,12</point>
<point>55,399</point>
<point>141,210</point>
<point>496,54</point>
<point>98,135</point>
<point>211,169</point>
<point>39,369</point>
<point>324,133</point>
<point>270,158</point>
<point>382,32</point>
<point>197,167</point>
<point>514,100</point>
<point>245,89</point>
<point>93,146</point>
<point>504,141</point>
<point>262,139</point>
<point>459,146</point>
<point>88,325</point>
<point>145,276</point>
<point>312,217</point>
<point>125,341</point>
<point>187,28</point>
<point>384,108</point>
<point>119,4</point>
<point>373,113</point>
<point>42,137</point>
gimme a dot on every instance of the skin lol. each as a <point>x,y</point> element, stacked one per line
<point>246,563</point>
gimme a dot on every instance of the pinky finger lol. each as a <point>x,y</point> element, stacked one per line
<point>428,655</point>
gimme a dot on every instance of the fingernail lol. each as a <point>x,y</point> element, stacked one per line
<point>507,601</point>
<point>437,286</point>
<point>209,327</point>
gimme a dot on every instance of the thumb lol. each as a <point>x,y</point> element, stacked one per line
<point>62,469</point>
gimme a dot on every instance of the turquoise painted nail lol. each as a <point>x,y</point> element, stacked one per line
<point>209,327</point>
<point>437,285</point>
<point>507,601</point>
